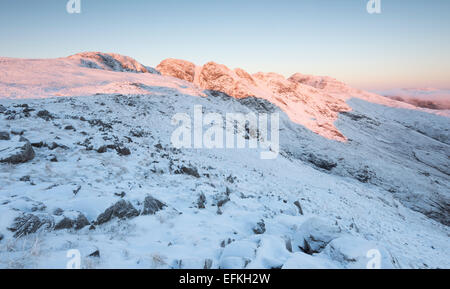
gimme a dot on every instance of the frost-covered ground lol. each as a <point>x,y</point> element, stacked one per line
<point>320,204</point>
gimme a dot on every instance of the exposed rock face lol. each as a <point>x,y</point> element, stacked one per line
<point>181,69</point>
<point>304,104</point>
<point>16,151</point>
<point>218,77</point>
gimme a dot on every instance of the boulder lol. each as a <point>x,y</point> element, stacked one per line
<point>201,201</point>
<point>75,221</point>
<point>15,151</point>
<point>315,234</point>
<point>152,205</point>
<point>191,171</point>
<point>44,114</point>
<point>4,135</point>
<point>122,210</point>
<point>259,228</point>
<point>28,224</point>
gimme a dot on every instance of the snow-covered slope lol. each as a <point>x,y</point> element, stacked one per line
<point>73,76</point>
<point>105,177</point>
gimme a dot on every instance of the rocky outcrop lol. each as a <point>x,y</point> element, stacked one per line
<point>304,104</point>
<point>218,77</point>
<point>181,69</point>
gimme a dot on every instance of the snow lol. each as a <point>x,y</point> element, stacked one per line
<point>400,210</point>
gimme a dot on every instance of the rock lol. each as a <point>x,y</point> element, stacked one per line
<point>152,205</point>
<point>321,163</point>
<point>58,212</point>
<point>102,149</point>
<point>188,171</point>
<point>297,204</point>
<point>122,210</point>
<point>208,263</point>
<point>315,234</point>
<point>1,236</point>
<point>2,109</point>
<point>81,222</point>
<point>4,135</point>
<point>98,122</point>
<point>44,114</point>
<point>25,179</point>
<point>364,175</point>
<point>95,254</point>
<point>221,199</point>
<point>288,243</point>
<point>16,151</point>
<point>201,201</point>
<point>38,144</point>
<point>137,133</point>
<point>123,151</point>
<point>69,127</point>
<point>77,190</point>
<point>17,132</point>
<point>76,223</point>
<point>65,223</point>
<point>121,195</point>
<point>28,224</point>
<point>55,145</point>
<point>260,228</point>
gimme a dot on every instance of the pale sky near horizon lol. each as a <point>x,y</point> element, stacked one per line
<point>407,45</point>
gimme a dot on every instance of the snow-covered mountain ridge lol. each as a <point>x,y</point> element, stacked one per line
<point>86,163</point>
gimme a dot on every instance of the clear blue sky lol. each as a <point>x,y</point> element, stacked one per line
<point>407,45</point>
